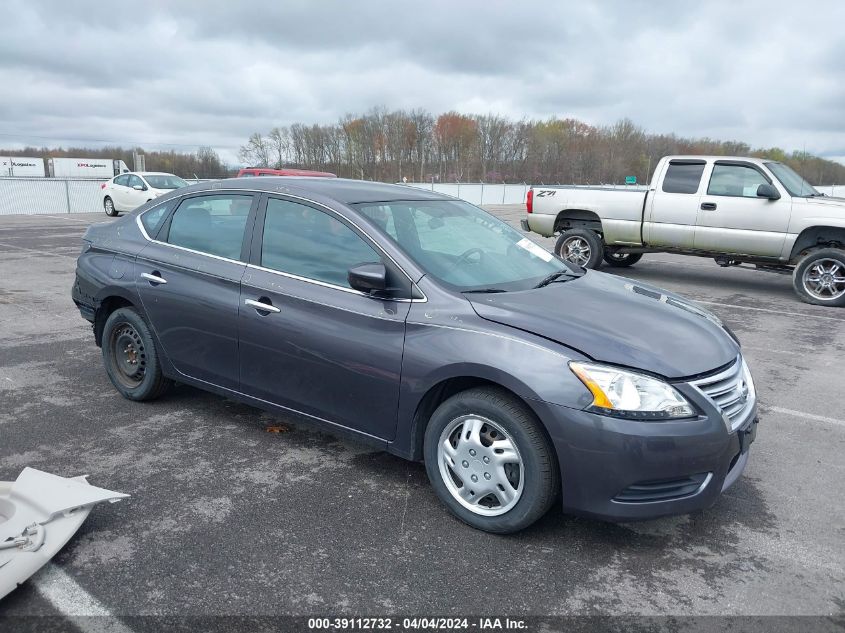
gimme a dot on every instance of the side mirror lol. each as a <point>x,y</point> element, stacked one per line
<point>368,278</point>
<point>139,187</point>
<point>767,191</point>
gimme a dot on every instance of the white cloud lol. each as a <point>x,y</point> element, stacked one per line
<point>196,73</point>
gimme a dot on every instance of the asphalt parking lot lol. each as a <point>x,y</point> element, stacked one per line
<point>228,518</point>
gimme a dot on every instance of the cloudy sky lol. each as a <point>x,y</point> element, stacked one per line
<point>184,74</point>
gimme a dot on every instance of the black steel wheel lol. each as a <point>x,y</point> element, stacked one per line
<point>130,356</point>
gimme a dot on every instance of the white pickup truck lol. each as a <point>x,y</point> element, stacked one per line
<point>747,211</point>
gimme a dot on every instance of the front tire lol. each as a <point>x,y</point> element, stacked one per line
<point>130,356</point>
<point>489,461</point>
<point>819,277</point>
<point>581,247</point>
<point>621,260</point>
<point>108,207</point>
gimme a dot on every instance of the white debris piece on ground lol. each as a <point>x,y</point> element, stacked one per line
<point>39,513</point>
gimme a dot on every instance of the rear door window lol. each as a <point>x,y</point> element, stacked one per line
<point>683,177</point>
<point>213,225</point>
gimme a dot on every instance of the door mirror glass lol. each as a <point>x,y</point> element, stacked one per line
<point>368,278</point>
<point>767,191</point>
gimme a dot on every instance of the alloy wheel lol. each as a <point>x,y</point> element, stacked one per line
<point>576,250</point>
<point>480,465</point>
<point>825,279</point>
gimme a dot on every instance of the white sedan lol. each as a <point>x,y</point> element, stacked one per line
<point>129,191</point>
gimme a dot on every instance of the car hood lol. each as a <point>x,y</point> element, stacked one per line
<point>619,321</point>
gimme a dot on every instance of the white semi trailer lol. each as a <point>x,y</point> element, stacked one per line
<point>85,167</point>
<point>21,167</point>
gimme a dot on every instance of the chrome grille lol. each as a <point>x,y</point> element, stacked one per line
<point>732,391</point>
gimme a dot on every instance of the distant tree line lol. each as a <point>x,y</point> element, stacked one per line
<point>392,145</point>
<point>204,163</point>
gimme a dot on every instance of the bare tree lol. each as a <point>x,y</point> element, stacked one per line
<point>256,152</point>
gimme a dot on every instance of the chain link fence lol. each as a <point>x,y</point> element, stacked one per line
<point>32,196</point>
<point>478,193</point>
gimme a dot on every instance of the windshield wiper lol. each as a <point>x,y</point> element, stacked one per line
<point>486,290</point>
<point>556,277</point>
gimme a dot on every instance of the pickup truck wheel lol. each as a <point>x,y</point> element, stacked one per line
<point>489,460</point>
<point>621,260</point>
<point>581,247</point>
<point>130,356</point>
<point>819,277</point>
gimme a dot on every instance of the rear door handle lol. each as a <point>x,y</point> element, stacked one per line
<point>262,306</point>
<point>708,206</point>
<point>153,278</point>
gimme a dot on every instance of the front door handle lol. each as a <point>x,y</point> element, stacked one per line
<point>262,306</point>
<point>708,206</point>
<point>154,278</point>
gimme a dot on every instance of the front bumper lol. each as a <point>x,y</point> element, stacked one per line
<point>622,470</point>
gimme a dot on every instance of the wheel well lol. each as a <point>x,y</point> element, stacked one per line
<point>435,396</point>
<point>577,219</point>
<point>108,305</point>
<point>816,236</point>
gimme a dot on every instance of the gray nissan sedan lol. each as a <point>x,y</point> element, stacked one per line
<point>433,330</point>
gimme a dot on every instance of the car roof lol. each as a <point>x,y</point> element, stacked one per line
<point>148,173</point>
<point>711,157</point>
<point>340,189</point>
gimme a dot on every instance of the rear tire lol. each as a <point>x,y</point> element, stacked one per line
<point>108,207</point>
<point>471,477</point>
<point>621,260</point>
<point>581,247</point>
<point>130,356</point>
<point>819,277</point>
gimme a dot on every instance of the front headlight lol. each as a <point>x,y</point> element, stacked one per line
<point>625,394</point>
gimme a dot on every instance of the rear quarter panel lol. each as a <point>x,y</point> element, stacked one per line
<point>620,210</point>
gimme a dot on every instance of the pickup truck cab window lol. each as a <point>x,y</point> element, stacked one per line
<point>735,180</point>
<point>306,242</point>
<point>211,224</point>
<point>683,177</point>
